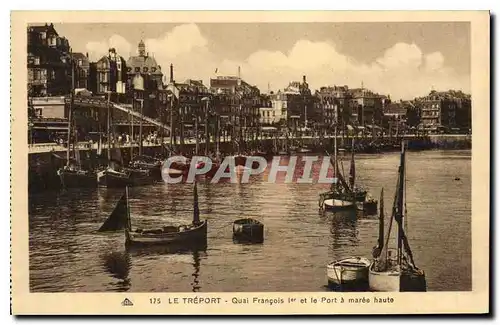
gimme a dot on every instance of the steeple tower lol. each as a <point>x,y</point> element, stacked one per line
<point>142,48</point>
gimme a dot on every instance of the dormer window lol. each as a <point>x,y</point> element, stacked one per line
<point>153,69</point>
<point>137,69</point>
<point>145,69</point>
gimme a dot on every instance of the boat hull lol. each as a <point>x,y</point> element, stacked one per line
<point>113,180</point>
<point>338,205</point>
<point>196,235</point>
<point>396,281</point>
<point>248,231</point>
<point>351,273</point>
<point>77,180</point>
<point>368,207</point>
<point>386,281</point>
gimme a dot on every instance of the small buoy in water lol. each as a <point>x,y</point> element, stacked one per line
<point>457,178</point>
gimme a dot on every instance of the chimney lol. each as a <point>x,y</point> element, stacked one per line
<point>171,72</point>
<point>87,55</point>
<point>304,79</point>
<point>239,72</point>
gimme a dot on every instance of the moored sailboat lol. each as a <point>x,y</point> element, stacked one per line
<point>391,272</point>
<point>189,235</point>
<point>338,198</point>
<point>72,175</point>
<point>112,175</point>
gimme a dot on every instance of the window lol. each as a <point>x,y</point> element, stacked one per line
<point>52,41</point>
<point>137,69</point>
<point>43,35</point>
<point>145,69</point>
<point>103,77</point>
<point>36,60</point>
<point>80,62</point>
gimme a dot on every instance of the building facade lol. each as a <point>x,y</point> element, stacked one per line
<point>49,66</point>
<point>367,107</point>
<point>300,105</point>
<point>145,66</point>
<point>444,111</point>
<point>335,106</point>
<point>82,70</point>
<point>238,103</point>
<point>108,74</point>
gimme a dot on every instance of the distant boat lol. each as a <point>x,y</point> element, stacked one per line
<point>303,150</point>
<point>189,234</point>
<point>351,271</point>
<point>338,204</point>
<point>112,177</point>
<point>72,175</point>
<point>394,272</point>
<point>339,197</point>
<point>248,230</point>
<point>151,164</point>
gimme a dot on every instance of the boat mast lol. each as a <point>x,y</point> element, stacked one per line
<point>197,148</point>
<point>352,172</point>
<point>129,222</point>
<point>196,210</point>
<point>381,221</point>
<point>400,202</point>
<point>335,149</point>
<point>70,110</point>
<point>109,127</point>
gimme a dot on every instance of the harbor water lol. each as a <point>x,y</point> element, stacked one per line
<point>67,254</point>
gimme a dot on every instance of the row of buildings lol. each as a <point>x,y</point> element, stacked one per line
<point>228,101</point>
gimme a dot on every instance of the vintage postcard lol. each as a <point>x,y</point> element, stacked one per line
<point>250,162</point>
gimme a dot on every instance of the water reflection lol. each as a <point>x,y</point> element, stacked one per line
<point>196,274</point>
<point>197,250</point>
<point>343,229</point>
<point>118,265</point>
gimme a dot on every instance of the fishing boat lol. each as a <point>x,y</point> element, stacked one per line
<point>248,230</point>
<point>196,232</point>
<point>190,234</point>
<point>112,175</point>
<point>338,198</point>
<point>72,175</point>
<point>348,272</point>
<point>151,164</point>
<point>395,270</point>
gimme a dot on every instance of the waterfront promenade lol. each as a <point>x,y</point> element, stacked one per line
<point>48,147</point>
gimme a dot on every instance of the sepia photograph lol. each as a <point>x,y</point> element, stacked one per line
<point>264,157</point>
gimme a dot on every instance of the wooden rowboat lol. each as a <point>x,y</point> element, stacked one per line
<point>194,233</point>
<point>351,271</point>
<point>168,235</point>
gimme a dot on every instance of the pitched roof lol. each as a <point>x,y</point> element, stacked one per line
<point>144,62</point>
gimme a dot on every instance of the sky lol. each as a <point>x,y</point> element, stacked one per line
<point>402,59</point>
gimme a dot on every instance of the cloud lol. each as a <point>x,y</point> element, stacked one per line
<point>97,50</point>
<point>403,70</point>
